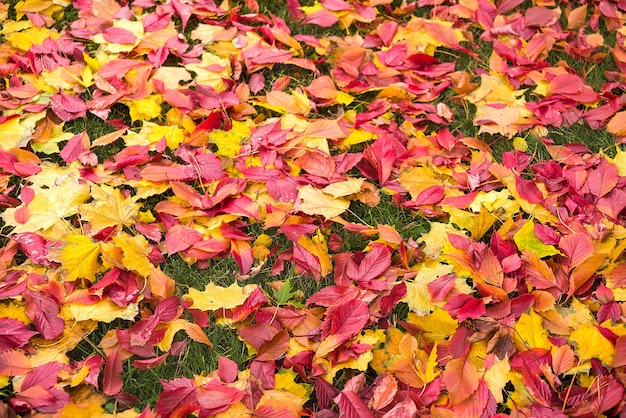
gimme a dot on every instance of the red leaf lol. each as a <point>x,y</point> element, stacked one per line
<point>227,369</point>
<point>613,203</point>
<point>578,247</point>
<point>375,263</point>
<point>112,380</point>
<point>45,375</point>
<point>275,348</point>
<point>347,319</point>
<point>325,393</point>
<point>462,307</point>
<point>13,334</point>
<point>179,238</point>
<point>602,180</point>
<point>144,364</point>
<point>352,406</point>
<point>620,352</point>
<point>179,396</point>
<point>528,190</point>
<point>242,253</point>
<point>215,398</point>
<point>546,234</point>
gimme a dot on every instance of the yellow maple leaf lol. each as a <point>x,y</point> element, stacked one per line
<point>101,311</point>
<point>145,109</point>
<point>136,252</point>
<point>229,142</point>
<point>108,208</point>
<point>590,343</point>
<point>216,297</point>
<point>315,202</point>
<point>50,206</point>
<point>79,258</point>
<point>317,246</point>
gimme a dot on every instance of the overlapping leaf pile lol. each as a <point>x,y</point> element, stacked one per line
<point>515,295</point>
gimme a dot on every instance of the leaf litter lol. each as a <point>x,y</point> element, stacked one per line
<point>515,296</point>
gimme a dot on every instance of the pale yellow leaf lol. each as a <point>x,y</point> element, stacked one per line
<point>344,188</point>
<point>108,208</point>
<point>316,202</point>
<point>417,296</point>
<point>496,377</point>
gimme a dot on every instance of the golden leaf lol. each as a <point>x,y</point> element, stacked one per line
<point>79,258</point>
<point>217,297</point>
<point>590,343</point>
<point>136,252</point>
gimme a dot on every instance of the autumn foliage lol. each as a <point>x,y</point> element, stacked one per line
<point>230,132</point>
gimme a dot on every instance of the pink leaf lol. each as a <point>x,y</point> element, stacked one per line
<point>528,190</point>
<point>13,334</point>
<point>68,107</point>
<point>75,147</point>
<point>119,36</point>
<point>179,238</point>
<point>321,18</point>
<point>43,310</point>
<point>14,363</point>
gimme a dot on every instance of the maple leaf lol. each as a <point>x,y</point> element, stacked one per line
<point>136,253</point>
<point>50,206</point>
<point>216,297</point>
<point>79,258</point>
<point>109,207</point>
<point>316,202</point>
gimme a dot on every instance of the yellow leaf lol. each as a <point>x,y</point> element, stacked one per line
<point>217,297</point>
<point>530,332</point>
<point>497,376</point>
<point>34,35</point>
<point>436,238</point>
<point>437,325</point>
<point>193,330</point>
<point>285,380</point>
<point>317,246</point>
<point>344,188</point>
<point>620,162</point>
<point>79,258</point>
<point>109,208</point>
<point>145,109</point>
<point>429,372</point>
<point>590,343</point>
<point>136,252</point>
<point>101,311</point>
<point>236,410</point>
<point>417,296</point>
<point>50,206</point>
<point>229,142</point>
<point>526,239</point>
<point>316,202</point>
